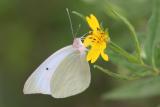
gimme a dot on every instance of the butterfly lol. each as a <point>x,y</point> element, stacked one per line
<point>63,74</point>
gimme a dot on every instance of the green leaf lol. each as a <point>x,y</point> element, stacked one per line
<point>143,88</point>
<point>123,53</point>
<point>157,56</point>
<point>131,29</point>
<point>153,33</point>
<point>111,6</point>
<point>131,68</point>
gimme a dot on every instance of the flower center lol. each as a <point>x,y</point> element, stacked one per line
<point>98,37</point>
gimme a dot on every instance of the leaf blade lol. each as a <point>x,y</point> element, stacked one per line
<point>153,33</point>
<point>143,88</point>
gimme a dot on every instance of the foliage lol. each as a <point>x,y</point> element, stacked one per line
<point>143,88</point>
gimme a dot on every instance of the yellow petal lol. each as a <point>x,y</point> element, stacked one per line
<point>93,22</point>
<point>103,46</point>
<point>90,55</point>
<point>95,53</point>
<point>90,23</point>
<point>95,57</point>
<point>104,56</point>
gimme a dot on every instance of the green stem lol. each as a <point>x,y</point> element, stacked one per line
<point>115,75</point>
<point>131,58</point>
<point>137,45</point>
<point>133,33</point>
<point>155,70</point>
<point>123,53</point>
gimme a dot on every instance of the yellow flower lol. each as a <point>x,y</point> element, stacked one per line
<point>97,40</point>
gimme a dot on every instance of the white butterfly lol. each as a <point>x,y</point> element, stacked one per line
<point>65,73</point>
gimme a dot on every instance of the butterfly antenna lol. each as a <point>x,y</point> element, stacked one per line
<point>83,36</point>
<point>79,26</point>
<point>70,21</point>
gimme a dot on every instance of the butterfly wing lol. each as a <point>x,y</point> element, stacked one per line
<point>39,81</point>
<point>71,77</point>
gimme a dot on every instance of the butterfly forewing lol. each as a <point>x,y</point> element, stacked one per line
<point>39,81</point>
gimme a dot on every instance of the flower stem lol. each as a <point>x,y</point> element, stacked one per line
<point>133,33</point>
<point>123,53</point>
<point>115,75</point>
<point>155,70</point>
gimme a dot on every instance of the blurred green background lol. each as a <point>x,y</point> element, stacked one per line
<point>31,30</point>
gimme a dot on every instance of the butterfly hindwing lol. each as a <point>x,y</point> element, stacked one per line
<point>71,77</point>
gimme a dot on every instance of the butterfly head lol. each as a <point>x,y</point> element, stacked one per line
<point>77,44</point>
